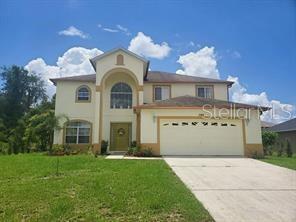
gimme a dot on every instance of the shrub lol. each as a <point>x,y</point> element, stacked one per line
<point>134,143</point>
<point>57,149</point>
<point>4,148</point>
<point>289,149</point>
<point>136,151</point>
<point>67,149</point>
<point>90,149</point>
<point>104,146</point>
<point>281,149</point>
<point>255,155</point>
<point>268,140</point>
<point>147,152</point>
<point>133,151</point>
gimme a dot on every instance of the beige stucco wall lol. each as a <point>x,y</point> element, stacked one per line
<point>181,89</point>
<point>108,63</point>
<point>118,115</point>
<point>66,105</point>
<point>148,93</point>
<point>253,128</point>
<point>221,91</point>
<point>107,74</point>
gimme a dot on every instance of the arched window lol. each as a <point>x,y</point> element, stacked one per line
<point>77,132</point>
<point>119,60</point>
<point>83,94</point>
<point>121,96</point>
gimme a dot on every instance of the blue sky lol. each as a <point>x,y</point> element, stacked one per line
<point>253,40</point>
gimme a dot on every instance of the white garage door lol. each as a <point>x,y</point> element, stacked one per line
<point>201,137</point>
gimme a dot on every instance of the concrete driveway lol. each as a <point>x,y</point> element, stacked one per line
<point>239,189</point>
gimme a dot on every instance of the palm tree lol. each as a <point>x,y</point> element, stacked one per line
<point>41,127</point>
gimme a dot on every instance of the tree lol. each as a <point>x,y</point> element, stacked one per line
<point>2,131</point>
<point>40,128</point>
<point>19,92</point>
<point>289,149</point>
<point>268,140</point>
<point>15,138</point>
<point>281,149</point>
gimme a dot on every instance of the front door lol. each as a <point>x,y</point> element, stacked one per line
<point>120,136</point>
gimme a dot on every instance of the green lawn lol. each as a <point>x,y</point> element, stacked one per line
<point>282,161</point>
<point>93,189</point>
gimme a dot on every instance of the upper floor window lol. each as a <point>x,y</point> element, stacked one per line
<point>121,96</point>
<point>162,92</point>
<point>205,92</point>
<point>77,132</point>
<point>119,60</point>
<point>83,94</point>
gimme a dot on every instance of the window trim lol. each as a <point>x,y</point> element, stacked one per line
<point>76,94</point>
<point>77,144</point>
<point>205,86</point>
<point>160,85</point>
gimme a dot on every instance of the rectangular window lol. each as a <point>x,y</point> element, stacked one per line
<point>205,92</point>
<point>83,136</point>
<point>71,135</point>
<point>161,93</point>
<point>83,95</point>
<point>77,133</point>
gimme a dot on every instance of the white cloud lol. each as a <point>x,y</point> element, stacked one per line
<point>143,45</point>
<point>280,111</point>
<point>236,55</point>
<point>191,43</point>
<point>201,63</point>
<point>110,30</point>
<point>123,29</point>
<point>73,31</point>
<point>74,61</point>
<point>118,29</point>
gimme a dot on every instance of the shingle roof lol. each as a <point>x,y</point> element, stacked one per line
<point>152,77</point>
<point>81,78</point>
<point>289,125</point>
<point>194,102</point>
<point>265,124</point>
<point>166,77</point>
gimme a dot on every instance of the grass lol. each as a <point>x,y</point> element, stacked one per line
<point>93,189</point>
<point>283,161</point>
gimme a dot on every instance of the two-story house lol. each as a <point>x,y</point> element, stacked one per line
<point>171,114</point>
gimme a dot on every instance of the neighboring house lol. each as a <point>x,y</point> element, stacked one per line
<point>266,125</point>
<point>286,131</point>
<point>169,113</point>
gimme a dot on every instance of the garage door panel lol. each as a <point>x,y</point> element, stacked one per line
<point>192,137</point>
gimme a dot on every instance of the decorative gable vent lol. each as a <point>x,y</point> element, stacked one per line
<point>119,60</point>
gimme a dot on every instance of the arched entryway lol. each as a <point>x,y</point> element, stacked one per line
<point>119,95</point>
